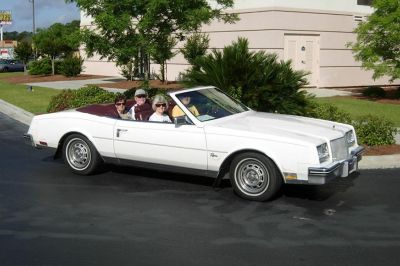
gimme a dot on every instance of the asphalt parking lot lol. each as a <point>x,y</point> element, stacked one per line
<point>131,216</point>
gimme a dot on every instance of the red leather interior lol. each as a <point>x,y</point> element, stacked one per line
<point>107,110</point>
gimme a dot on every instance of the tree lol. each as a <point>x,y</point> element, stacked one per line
<point>127,30</point>
<point>378,40</point>
<point>160,52</point>
<point>195,46</point>
<point>24,52</point>
<point>257,79</point>
<point>16,36</point>
<point>57,41</point>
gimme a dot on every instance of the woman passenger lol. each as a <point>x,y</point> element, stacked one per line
<point>160,105</point>
<point>120,103</point>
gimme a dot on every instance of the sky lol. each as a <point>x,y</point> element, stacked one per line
<point>47,12</point>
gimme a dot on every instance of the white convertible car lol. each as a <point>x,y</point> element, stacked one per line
<point>258,151</point>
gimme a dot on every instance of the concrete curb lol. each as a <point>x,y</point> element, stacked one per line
<point>15,112</point>
<point>368,162</point>
<point>380,162</point>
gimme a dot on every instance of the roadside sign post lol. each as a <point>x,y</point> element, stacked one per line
<point>5,19</point>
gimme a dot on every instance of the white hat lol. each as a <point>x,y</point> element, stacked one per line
<point>140,92</point>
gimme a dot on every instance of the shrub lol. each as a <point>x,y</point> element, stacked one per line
<point>40,67</point>
<point>43,67</point>
<point>257,79</point>
<point>60,101</point>
<point>373,130</point>
<point>330,112</point>
<point>71,66</point>
<point>374,92</point>
<point>68,99</point>
<point>397,93</point>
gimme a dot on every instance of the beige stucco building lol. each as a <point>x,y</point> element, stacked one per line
<point>313,34</point>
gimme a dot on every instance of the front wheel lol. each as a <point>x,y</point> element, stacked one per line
<point>80,155</point>
<point>254,176</point>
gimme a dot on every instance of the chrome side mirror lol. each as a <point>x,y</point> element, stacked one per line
<point>182,120</point>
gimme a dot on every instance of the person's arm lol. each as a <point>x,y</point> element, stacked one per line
<point>194,110</point>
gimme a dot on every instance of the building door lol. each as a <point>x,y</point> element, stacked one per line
<point>303,50</point>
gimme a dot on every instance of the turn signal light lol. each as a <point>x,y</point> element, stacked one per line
<point>43,143</point>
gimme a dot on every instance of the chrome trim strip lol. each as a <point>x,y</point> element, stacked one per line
<point>358,151</point>
<point>323,170</point>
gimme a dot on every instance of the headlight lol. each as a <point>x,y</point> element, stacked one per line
<point>350,138</point>
<point>323,152</point>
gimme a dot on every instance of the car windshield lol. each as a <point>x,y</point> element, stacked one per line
<point>210,104</point>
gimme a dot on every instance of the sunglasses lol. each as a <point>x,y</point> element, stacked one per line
<point>141,96</point>
<point>118,104</point>
<point>161,104</point>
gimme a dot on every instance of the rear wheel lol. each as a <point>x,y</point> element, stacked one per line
<point>254,176</point>
<point>80,155</point>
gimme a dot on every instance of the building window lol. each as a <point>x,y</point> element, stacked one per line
<point>364,2</point>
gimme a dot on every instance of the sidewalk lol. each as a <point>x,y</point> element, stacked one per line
<point>321,92</point>
<point>76,84</point>
<point>368,162</point>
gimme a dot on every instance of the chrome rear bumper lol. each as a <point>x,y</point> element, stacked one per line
<point>29,140</point>
<point>323,175</point>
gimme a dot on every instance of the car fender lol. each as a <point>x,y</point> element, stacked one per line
<point>224,166</point>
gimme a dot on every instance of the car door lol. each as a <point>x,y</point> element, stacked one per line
<point>12,65</point>
<point>19,66</point>
<point>164,144</point>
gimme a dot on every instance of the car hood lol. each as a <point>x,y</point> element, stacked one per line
<point>278,126</point>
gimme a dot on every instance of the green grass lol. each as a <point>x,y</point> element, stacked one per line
<point>357,108</point>
<point>10,74</point>
<point>35,102</point>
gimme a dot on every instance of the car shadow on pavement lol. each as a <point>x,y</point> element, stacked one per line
<point>133,178</point>
<point>320,192</point>
<point>161,175</point>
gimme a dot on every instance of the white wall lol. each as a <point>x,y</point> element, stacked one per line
<point>265,23</point>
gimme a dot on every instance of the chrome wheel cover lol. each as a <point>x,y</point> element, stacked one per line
<point>251,176</point>
<point>78,154</point>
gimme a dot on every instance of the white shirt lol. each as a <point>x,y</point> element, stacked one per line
<point>159,118</point>
<point>132,112</point>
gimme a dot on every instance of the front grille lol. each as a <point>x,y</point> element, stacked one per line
<point>340,151</point>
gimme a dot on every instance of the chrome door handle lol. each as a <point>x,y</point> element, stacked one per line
<point>120,130</point>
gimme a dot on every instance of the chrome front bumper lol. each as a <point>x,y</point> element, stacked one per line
<point>323,175</point>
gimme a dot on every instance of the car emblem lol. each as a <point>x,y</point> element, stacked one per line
<point>213,155</point>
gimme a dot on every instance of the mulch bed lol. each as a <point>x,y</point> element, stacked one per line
<point>382,150</point>
<point>390,97</point>
<point>42,78</point>
<point>129,84</point>
<point>116,85</point>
